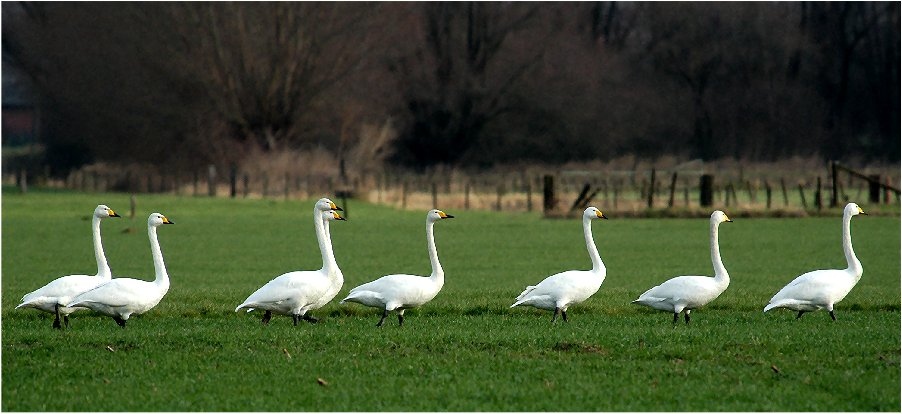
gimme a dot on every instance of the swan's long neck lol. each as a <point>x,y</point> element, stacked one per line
<point>103,268</point>
<point>851,259</point>
<point>325,242</point>
<point>438,274</point>
<point>720,272</point>
<point>597,264</point>
<point>162,278</point>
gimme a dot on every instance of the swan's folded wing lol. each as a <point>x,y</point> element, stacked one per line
<point>115,293</point>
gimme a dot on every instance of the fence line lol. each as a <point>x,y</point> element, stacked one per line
<point>555,193</point>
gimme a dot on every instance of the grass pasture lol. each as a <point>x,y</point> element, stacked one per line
<point>465,351</point>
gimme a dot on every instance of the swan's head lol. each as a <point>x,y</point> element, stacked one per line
<point>436,215</point>
<point>852,209</point>
<point>324,204</point>
<point>157,220</point>
<point>594,213</point>
<point>103,211</point>
<point>332,215</point>
<point>718,217</point>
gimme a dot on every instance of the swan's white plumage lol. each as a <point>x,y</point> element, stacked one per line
<point>297,293</point>
<point>57,293</point>
<point>122,297</point>
<point>402,291</point>
<point>557,292</point>
<point>822,289</point>
<point>691,292</point>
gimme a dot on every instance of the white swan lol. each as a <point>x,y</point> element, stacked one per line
<point>296,293</point>
<point>557,292</point>
<point>691,292</point>
<point>121,298</point>
<point>821,289</point>
<point>55,294</point>
<point>404,291</point>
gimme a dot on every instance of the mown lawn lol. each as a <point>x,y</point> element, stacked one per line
<point>465,351</point>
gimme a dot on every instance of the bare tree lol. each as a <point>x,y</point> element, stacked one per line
<point>458,78</point>
<point>265,70</point>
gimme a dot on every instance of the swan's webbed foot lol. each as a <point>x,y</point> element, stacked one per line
<point>832,316</point>
<point>384,315</point>
<point>800,314</point>
<point>266,317</point>
<point>119,321</point>
<point>310,319</point>
<point>56,324</point>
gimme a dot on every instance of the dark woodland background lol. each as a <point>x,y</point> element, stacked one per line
<point>464,84</point>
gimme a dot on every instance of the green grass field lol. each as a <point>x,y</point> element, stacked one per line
<point>464,351</point>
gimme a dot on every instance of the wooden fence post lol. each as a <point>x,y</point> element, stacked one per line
<point>706,190</point>
<point>785,195</point>
<point>233,180</point>
<point>802,194</point>
<point>834,197</point>
<point>818,199</point>
<point>548,194</point>
<point>874,188</point>
<point>651,190</point>
<point>673,181</point>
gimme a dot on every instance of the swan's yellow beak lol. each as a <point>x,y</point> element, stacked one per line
<point>860,211</point>
<point>337,216</point>
<point>167,221</point>
<point>727,218</point>
<point>600,215</point>
<point>113,213</point>
<point>443,215</point>
<point>334,207</point>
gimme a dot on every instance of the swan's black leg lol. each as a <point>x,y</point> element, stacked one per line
<point>800,314</point>
<point>564,315</point>
<point>310,319</point>
<point>384,315</point>
<point>686,315</point>
<point>56,321</point>
<point>119,321</point>
<point>266,317</point>
<point>556,311</point>
<point>66,320</point>
<point>400,319</point>
<point>676,317</point>
<point>295,318</point>
<point>832,315</point>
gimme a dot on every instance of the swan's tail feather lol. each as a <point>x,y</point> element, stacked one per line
<point>770,306</point>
